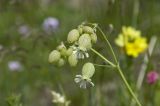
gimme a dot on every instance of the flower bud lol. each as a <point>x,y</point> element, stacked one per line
<point>73,36</point>
<point>69,51</point>
<point>61,62</point>
<point>54,56</point>
<point>85,41</point>
<point>72,59</point>
<point>88,70</point>
<point>63,52</point>
<point>87,29</point>
<point>93,38</point>
<point>61,46</point>
<point>80,29</point>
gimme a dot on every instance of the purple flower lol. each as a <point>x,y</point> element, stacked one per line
<point>50,24</point>
<point>24,30</point>
<point>152,77</point>
<point>14,66</point>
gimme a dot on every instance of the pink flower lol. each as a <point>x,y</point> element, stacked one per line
<point>152,77</point>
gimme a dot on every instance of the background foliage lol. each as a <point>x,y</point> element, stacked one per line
<point>38,77</point>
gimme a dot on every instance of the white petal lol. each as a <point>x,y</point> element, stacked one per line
<point>79,76</point>
<point>87,55</point>
<point>83,85</point>
<point>77,80</point>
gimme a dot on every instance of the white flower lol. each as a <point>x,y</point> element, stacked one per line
<point>84,82</point>
<point>50,24</point>
<point>14,66</point>
<point>57,98</point>
<point>80,52</point>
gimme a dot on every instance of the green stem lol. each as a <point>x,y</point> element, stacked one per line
<point>100,65</point>
<point>105,38</point>
<point>127,85</point>
<point>113,65</point>
<point>121,74</point>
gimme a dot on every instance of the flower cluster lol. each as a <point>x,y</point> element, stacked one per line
<point>132,41</point>
<point>79,42</point>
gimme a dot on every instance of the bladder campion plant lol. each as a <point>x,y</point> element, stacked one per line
<point>81,41</point>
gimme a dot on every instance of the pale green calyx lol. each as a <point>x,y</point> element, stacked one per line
<point>85,41</point>
<point>72,59</point>
<point>87,29</point>
<point>69,51</point>
<point>61,62</point>
<point>93,38</point>
<point>73,36</point>
<point>88,70</point>
<point>54,56</point>
<point>80,29</point>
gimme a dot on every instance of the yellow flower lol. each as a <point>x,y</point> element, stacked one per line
<point>131,40</point>
<point>137,47</point>
<point>128,34</point>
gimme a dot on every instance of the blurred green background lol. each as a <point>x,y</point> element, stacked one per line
<point>30,49</point>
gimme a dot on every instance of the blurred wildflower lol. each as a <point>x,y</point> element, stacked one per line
<point>24,30</point>
<point>50,24</point>
<point>85,79</point>
<point>132,41</point>
<point>137,47</point>
<point>14,100</point>
<point>57,98</point>
<point>152,77</point>
<point>14,66</point>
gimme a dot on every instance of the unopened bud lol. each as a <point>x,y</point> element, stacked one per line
<point>85,41</point>
<point>93,38</point>
<point>72,59</point>
<point>54,56</point>
<point>73,36</point>
<point>88,70</point>
<point>88,29</point>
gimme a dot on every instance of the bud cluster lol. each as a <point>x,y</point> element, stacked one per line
<point>80,40</point>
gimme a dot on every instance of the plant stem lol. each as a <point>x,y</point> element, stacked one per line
<point>109,62</point>
<point>100,65</point>
<point>105,38</point>
<point>121,74</point>
<point>128,86</point>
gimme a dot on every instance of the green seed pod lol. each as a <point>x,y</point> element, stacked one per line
<point>69,51</point>
<point>93,38</point>
<point>85,41</point>
<point>87,29</point>
<point>61,62</point>
<point>54,56</point>
<point>73,36</point>
<point>72,59</point>
<point>88,70</point>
